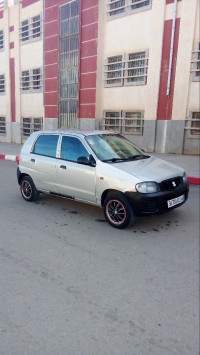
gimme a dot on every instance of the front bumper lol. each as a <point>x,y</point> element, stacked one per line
<point>156,202</point>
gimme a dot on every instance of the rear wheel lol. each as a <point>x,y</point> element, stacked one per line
<point>118,211</point>
<point>28,189</point>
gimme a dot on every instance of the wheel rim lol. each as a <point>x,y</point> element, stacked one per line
<point>116,212</point>
<point>26,189</point>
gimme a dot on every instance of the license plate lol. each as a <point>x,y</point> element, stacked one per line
<point>176,201</point>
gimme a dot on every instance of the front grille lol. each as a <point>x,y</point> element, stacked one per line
<point>152,206</point>
<point>171,184</point>
<point>164,205</point>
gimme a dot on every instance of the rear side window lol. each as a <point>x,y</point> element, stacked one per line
<point>46,145</point>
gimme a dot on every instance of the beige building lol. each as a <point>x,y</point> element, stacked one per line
<point>149,60</point>
<point>132,66</point>
<point>21,71</point>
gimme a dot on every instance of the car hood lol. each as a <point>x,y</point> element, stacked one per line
<point>151,169</point>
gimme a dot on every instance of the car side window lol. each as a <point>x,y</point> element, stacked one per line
<point>46,145</point>
<point>72,149</point>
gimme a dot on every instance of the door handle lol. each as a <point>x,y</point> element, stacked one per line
<point>33,160</point>
<point>62,167</point>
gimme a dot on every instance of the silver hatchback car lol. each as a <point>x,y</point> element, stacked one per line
<point>100,168</point>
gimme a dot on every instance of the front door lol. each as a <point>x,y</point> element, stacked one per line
<point>73,179</point>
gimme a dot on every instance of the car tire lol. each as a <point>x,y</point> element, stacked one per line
<point>28,189</point>
<point>118,211</point>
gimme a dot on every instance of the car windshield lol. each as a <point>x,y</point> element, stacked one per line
<point>114,148</point>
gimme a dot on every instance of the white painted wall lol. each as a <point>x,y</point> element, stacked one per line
<point>194,88</point>
<point>31,57</point>
<point>3,96</point>
<point>5,68</point>
<point>32,105</point>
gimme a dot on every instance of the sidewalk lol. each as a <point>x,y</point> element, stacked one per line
<point>190,163</point>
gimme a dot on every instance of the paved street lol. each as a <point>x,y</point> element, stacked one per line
<point>70,284</point>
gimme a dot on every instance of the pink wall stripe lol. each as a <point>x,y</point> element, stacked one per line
<point>170,1</point>
<point>165,103</point>
<point>26,3</point>
<point>12,75</point>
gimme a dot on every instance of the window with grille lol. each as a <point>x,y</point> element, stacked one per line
<point>111,121</point>
<point>1,40</point>
<point>196,64</point>
<point>31,80</point>
<point>133,122</point>
<point>140,4</point>
<point>2,125</point>
<point>30,29</point>
<point>117,8</point>
<point>132,71</point>
<point>126,122</point>
<point>25,80</point>
<point>36,28</point>
<point>36,79</point>
<point>2,84</point>
<point>195,123</point>
<point>25,31</point>
<point>69,64</point>
<point>30,125</point>
<point>136,69</point>
<point>114,71</point>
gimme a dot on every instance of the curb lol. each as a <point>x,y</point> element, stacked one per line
<point>9,157</point>
<point>191,180</point>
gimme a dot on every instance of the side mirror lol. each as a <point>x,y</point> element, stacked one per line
<point>87,161</point>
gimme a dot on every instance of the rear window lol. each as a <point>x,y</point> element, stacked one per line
<point>46,145</point>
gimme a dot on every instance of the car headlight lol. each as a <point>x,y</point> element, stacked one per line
<point>147,187</point>
<point>184,177</point>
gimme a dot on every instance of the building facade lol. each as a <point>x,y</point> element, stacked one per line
<point>132,66</point>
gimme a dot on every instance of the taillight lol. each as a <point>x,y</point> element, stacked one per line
<point>17,159</point>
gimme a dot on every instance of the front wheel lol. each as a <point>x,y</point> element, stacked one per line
<point>118,211</point>
<point>28,189</point>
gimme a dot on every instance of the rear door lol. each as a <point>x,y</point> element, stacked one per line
<point>75,180</point>
<point>42,164</point>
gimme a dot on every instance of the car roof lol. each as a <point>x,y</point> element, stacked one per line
<point>76,132</point>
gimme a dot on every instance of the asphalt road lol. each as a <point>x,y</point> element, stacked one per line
<point>70,284</point>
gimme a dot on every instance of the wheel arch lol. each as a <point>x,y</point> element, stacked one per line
<point>21,176</point>
<point>109,192</point>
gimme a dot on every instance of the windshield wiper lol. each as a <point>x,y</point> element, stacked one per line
<point>134,157</point>
<point>138,156</point>
<point>113,160</point>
